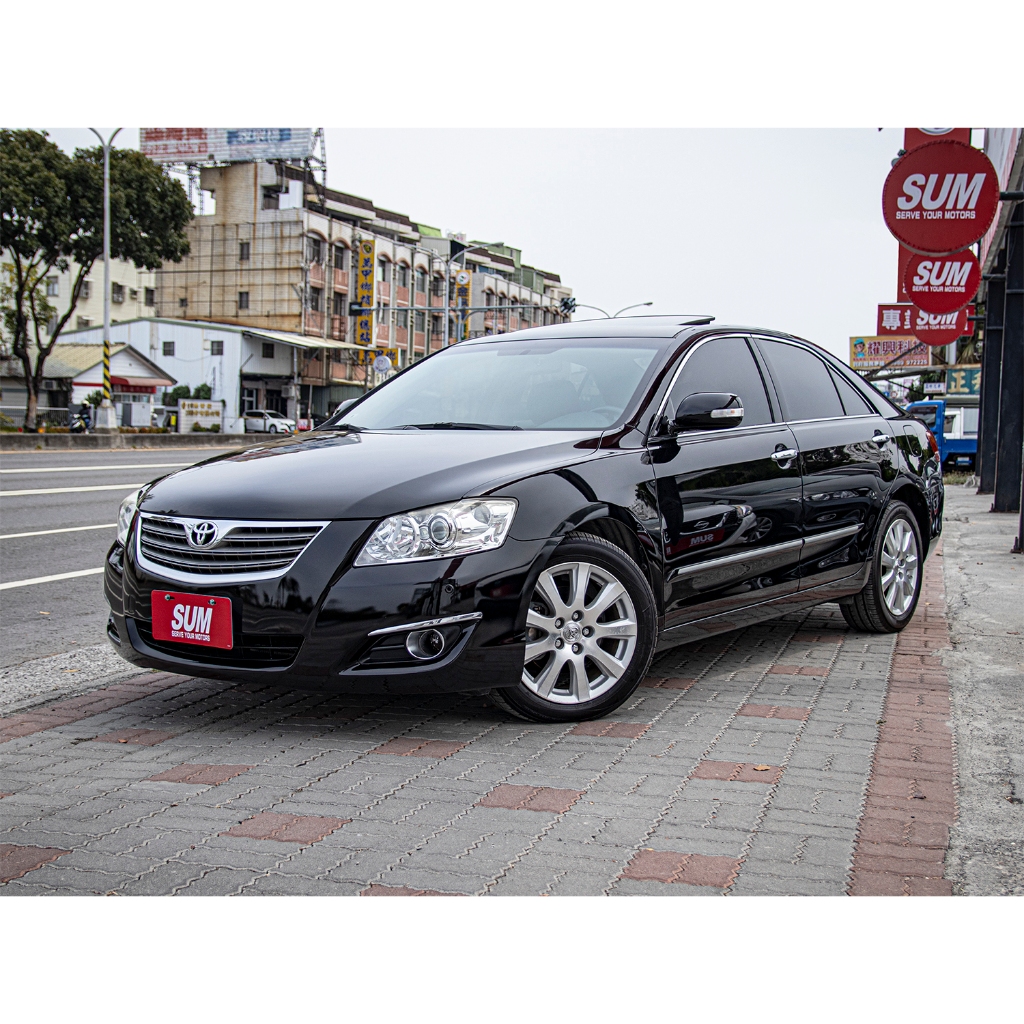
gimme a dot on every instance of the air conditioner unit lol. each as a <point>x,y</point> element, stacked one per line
<point>49,385</point>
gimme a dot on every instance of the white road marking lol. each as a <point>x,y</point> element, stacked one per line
<point>63,529</point>
<point>50,579</point>
<point>98,469</point>
<point>72,490</point>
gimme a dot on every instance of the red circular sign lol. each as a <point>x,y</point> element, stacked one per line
<point>942,284</point>
<point>939,328</point>
<point>940,197</point>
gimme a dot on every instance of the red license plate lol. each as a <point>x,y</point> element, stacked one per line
<point>192,619</point>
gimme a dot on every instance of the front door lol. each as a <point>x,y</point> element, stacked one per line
<point>729,499</point>
<point>847,456</point>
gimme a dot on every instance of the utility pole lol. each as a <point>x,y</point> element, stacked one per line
<point>106,418</point>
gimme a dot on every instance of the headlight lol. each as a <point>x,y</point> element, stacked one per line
<point>444,531</point>
<point>125,514</point>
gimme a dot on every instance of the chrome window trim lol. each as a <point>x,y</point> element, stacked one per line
<point>224,527</point>
<point>675,377</point>
<point>427,623</point>
<point>815,540</point>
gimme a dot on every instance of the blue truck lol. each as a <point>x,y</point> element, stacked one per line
<point>953,419</point>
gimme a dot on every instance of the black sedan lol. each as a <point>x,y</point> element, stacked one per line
<point>534,516</point>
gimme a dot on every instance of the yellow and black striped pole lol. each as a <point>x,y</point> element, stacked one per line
<point>106,366</point>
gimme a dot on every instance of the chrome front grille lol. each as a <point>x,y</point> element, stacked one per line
<point>240,551</point>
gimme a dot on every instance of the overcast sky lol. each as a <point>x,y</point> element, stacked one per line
<point>778,228</point>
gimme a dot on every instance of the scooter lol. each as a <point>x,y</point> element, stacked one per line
<point>81,423</point>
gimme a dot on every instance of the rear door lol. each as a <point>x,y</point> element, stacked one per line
<point>729,499</point>
<point>847,457</point>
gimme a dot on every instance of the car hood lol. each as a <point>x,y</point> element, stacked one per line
<point>363,475</point>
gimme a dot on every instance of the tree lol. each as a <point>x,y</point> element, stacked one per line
<point>203,392</point>
<point>176,393</point>
<point>52,215</point>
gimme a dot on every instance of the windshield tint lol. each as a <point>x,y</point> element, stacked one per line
<point>532,386</point>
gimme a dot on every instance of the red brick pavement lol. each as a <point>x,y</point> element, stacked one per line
<point>286,828</point>
<point>16,861</point>
<point>911,803</point>
<point>74,709</point>
<point>687,868</point>
<point>531,798</point>
<point>731,771</point>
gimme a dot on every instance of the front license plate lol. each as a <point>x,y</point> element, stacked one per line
<point>192,619</point>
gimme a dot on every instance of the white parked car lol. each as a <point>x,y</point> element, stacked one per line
<point>266,421</point>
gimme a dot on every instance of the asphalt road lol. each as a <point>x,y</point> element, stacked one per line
<point>52,617</point>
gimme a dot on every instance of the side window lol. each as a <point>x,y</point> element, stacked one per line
<point>724,365</point>
<point>802,380</point>
<point>854,402</point>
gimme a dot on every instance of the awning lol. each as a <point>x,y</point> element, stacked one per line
<point>143,382</point>
<point>300,340</point>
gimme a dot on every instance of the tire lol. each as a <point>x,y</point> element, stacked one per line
<point>272,429</point>
<point>889,598</point>
<point>570,674</point>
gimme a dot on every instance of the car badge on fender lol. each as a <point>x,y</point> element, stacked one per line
<point>201,535</point>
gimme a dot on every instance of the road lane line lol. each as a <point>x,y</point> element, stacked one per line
<point>50,579</point>
<point>63,529</point>
<point>72,490</point>
<point>97,469</point>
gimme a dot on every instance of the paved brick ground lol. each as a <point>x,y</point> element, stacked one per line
<point>742,766</point>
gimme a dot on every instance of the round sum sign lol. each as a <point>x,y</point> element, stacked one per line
<point>942,284</point>
<point>940,197</point>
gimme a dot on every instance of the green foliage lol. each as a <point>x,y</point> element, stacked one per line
<point>94,398</point>
<point>179,391</point>
<point>202,392</point>
<point>51,213</point>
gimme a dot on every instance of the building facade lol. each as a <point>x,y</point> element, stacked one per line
<point>132,294</point>
<point>277,255</point>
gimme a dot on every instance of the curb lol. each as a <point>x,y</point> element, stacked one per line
<point>94,442</point>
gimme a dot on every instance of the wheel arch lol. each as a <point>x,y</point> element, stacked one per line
<point>912,497</point>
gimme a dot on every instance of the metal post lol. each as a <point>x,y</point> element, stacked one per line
<point>991,360</point>
<point>106,417</point>
<point>1011,378</point>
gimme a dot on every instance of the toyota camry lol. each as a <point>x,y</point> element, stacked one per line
<point>533,516</point>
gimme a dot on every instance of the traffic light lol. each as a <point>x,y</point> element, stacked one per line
<point>567,306</point>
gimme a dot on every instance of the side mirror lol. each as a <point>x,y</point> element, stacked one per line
<point>708,410</point>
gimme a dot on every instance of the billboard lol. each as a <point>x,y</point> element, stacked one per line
<point>366,257</point>
<point>872,353</point>
<point>224,145</point>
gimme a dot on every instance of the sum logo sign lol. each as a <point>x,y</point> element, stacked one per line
<point>940,197</point>
<point>191,622</point>
<point>944,285</point>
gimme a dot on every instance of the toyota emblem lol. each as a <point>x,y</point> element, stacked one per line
<point>201,535</point>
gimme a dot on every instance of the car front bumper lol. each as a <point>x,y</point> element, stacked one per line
<point>328,625</point>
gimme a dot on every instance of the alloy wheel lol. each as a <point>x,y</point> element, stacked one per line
<point>900,567</point>
<point>581,633</point>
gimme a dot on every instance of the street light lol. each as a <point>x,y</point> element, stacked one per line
<point>106,418</point>
<point>482,247</point>
<point>636,305</point>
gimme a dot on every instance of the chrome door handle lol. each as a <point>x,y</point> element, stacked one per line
<point>881,438</point>
<point>786,455</point>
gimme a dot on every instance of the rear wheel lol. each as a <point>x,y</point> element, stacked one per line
<point>889,598</point>
<point>591,628</point>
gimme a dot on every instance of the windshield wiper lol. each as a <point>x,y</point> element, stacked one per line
<point>456,426</point>
<point>340,426</point>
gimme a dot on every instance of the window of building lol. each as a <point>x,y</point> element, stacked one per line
<point>116,292</point>
<point>314,249</point>
<point>249,399</point>
<point>133,294</point>
<point>421,321</point>
<point>243,300</point>
<point>340,257</point>
<point>83,322</point>
<point>402,274</point>
<point>436,327</point>
<point>316,298</point>
<point>437,285</point>
<point>402,318</point>
<point>168,348</point>
<point>382,271</point>
<point>271,197</point>
<point>421,280</point>
<point>268,350</point>
<point>488,298</point>
<point>52,286</point>
<point>216,346</point>
<point>86,290</point>
<point>183,303</point>
<point>150,297</point>
<point>243,250</point>
<point>338,304</point>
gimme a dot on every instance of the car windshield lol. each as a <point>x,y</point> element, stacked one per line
<point>275,415</point>
<point>511,385</point>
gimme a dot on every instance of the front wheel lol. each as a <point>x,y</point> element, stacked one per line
<point>591,628</point>
<point>889,598</point>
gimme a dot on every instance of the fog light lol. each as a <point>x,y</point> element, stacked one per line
<point>426,644</point>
